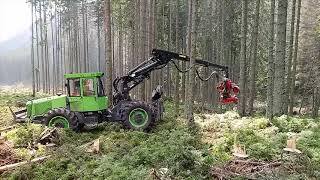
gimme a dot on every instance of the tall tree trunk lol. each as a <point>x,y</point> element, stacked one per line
<point>32,55</point>
<point>42,71</point>
<point>254,57</point>
<point>191,53</point>
<point>84,61</point>
<point>143,41</point>
<point>269,111</point>
<point>53,55</point>
<point>107,23</point>
<point>177,76</point>
<point>280,55</point>
<point>38,58</point>
<point>120,43</point>
<point>169,48</point>
<point>294,61</point>
<point>99,41</point>
<point>151,38</point>
<point>289,60</point>
<point>315,103</point>
<point>47,79</point>
<point>243,59</point>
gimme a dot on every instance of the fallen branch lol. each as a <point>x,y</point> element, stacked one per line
<point>6,128</point>
<point>15,165</point>
<point>257,163</point>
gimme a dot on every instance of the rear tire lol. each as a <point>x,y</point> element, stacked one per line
<point>62,118</point>
<point>137,115</point>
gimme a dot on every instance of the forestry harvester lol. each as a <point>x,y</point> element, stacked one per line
<point>86,102</point>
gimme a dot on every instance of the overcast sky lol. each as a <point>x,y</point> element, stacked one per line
<point>15,17</point>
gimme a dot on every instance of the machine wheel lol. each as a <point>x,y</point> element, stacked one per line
<point>62,118</point>
<point>137,115</point>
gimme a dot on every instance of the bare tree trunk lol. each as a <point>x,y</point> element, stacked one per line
<point>107,23</point>
<point>243,59</point>
<point>38,58</point>
<point>99,41</point>
<point>294,61</point>
<point>280,55</point>
<point>169,48</point>
<point>191,53</point>
<point>315,103</point>
<point>84,60</point>
<point>177,76</point>
<point>32,55</point>
<point>269,111</point>
<point>47,79</point>
<point>254,57</point>
<point>143,41</point>
<point>53,54</point>
<point>289,60</point>
<point>120,43</point>
<point>42,71</point>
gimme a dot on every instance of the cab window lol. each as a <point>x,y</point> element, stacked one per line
<point>74,87</point>
<point>100,88</point>
<point>88,87</point>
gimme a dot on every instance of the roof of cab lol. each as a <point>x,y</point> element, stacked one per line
<point>83,75</point>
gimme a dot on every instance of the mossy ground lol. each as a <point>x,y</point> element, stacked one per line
<point>171,149</point>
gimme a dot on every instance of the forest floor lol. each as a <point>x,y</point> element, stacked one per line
<point>170,151</point>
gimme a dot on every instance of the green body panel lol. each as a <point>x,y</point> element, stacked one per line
<point>83,75</point>
<point>41,106</point>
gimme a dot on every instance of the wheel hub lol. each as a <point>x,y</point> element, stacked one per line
<point>138,117</point>
<point>59,121</point>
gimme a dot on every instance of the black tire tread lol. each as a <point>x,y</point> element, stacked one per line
<point>127,106</point>
<point>72,118</point>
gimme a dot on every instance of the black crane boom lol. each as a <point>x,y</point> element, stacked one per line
<point>158,60</point>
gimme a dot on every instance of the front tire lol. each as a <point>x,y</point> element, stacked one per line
<point>137,115</point>
<point>62,118</point>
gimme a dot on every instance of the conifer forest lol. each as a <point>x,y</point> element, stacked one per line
<point>159,89</point>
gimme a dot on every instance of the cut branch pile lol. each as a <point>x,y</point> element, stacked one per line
<point>49,136</point>
<point>247,168</point>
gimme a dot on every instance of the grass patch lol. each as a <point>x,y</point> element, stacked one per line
<point>171,149</point>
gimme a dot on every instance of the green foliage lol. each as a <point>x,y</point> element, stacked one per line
<point>25,135</point>
<point>127,154</point>
<point>292,124</point>
<point>13,98</point>
<point>259,146</point>
<point>309,143</point>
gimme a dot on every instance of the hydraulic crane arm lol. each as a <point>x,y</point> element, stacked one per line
<point>158,60</point>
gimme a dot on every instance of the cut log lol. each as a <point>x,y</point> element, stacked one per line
<point>94,147</point>
<point>15,165</point>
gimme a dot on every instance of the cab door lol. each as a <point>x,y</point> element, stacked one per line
<point>74,91</point>
<point>89,94</point>
<point>92,100</point>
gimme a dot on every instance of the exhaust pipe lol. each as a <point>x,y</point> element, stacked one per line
<point>19,116</point>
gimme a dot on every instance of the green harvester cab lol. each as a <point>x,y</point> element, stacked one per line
<point>85,104</point>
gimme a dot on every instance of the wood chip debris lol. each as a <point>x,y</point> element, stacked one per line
<point>243,168</point>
